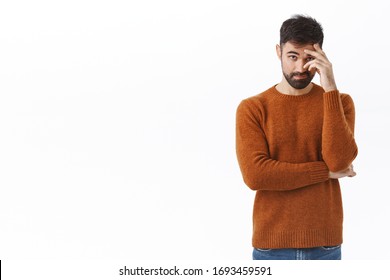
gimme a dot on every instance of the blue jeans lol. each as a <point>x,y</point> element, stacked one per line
<point>316,253</point>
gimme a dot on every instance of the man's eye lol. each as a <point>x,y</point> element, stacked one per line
<point>293,57</point>
<point>310,58</point>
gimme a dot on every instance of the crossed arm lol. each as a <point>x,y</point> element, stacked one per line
<point>261,172</point>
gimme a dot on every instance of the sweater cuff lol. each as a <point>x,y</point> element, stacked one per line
<point>319,172</point>
<point>332,99</point>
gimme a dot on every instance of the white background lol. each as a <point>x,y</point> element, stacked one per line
<point>117,124</point>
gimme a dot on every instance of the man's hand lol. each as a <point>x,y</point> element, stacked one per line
<point>349,172</point>
<point>323,67</point>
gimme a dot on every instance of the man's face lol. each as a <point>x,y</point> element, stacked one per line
<point>293,58</point>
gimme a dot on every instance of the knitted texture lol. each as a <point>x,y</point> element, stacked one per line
<point>286,145</point>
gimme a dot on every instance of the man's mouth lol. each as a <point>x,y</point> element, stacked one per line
<point>300,77</point>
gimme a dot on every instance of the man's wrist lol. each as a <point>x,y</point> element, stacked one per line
<point>331,88</point>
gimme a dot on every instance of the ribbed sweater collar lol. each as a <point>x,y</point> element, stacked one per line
<point>278,95</point>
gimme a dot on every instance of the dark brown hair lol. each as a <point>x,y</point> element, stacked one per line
<point>301,30</point>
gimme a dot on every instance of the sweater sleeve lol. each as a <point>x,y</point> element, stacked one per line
<point>259,171</point>
<point>339,148</point>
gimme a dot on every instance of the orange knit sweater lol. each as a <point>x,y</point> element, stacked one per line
<point>286,145</point>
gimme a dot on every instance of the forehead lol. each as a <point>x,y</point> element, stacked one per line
<point>288,46</point>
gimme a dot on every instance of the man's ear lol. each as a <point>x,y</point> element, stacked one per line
<point>279,51</point>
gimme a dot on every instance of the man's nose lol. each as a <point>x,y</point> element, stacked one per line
<point>299,65</point>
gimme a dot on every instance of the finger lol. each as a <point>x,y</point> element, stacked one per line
<point>318,49</point>
<point>312,53</point>
<point>319,61</point>
<point>314,67</point>
<point>308,64</point>
<point>311,65</point>
<point>317,53</point>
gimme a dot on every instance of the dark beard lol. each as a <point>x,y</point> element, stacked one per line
<point>299,84</point>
